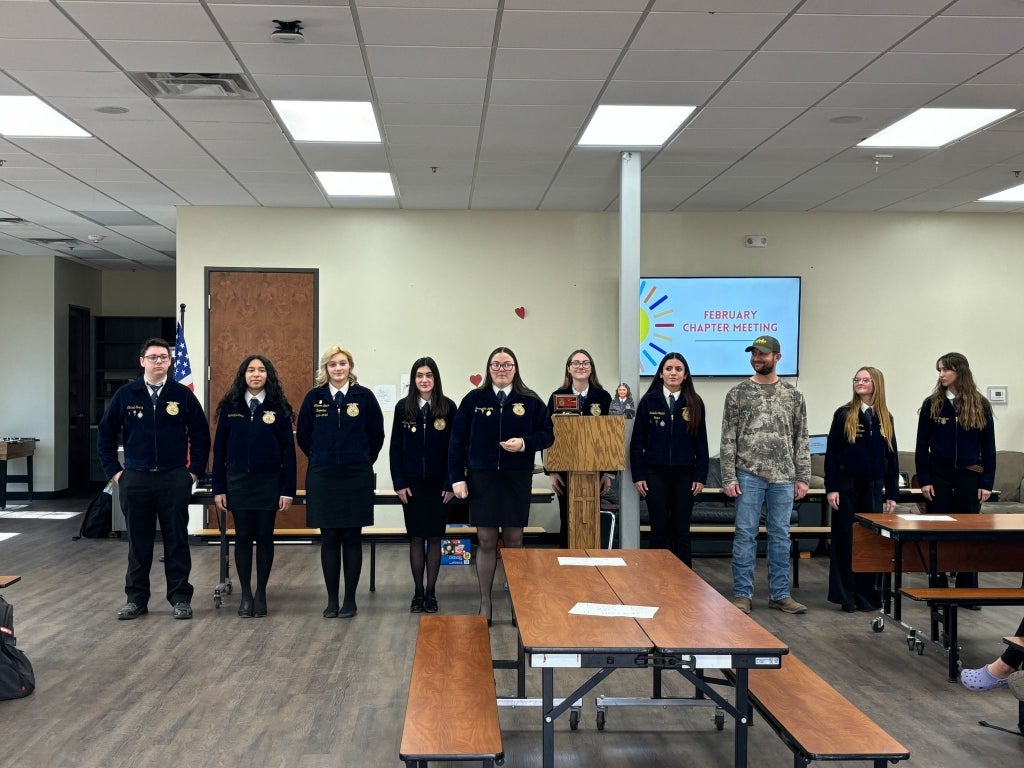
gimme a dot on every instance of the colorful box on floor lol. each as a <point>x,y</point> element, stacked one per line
<point>456,552</point>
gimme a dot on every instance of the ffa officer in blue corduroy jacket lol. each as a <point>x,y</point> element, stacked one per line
<point>254,470</point>
<point>499,428</point>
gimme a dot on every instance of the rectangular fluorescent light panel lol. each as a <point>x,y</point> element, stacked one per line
<point>934,127</point>
<point>1011,195</point>
<point>356,184</point>
<point>30,116</point>
<point>633,126</point>
<point>342,121</point>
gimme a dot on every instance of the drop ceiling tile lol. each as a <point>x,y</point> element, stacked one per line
<point>705,31</point>
<point>877,7</point>
<point>427,136</point>
<point>35,20</point>
<point>94,85</point>
<point>729,6</point>
<point>247,131</point>
<point>288,195</point>
<point>967,34</point>
<point>418,90</point>
<point>802,66</point>
<point>1009,71</point>
<point>155,56</point>
<point>822,32</point>
<point>451,27</point>
<point>370,203</point>
<point>305,59</point>
<point>218,110</point>
<point>745,94</point>
<point>314,87</point>
<point>145,193</point>
<point>663,92</point>
<point>557,30</point>
<point>675,65</point>
<point>718,138</point>
<point>430,114</point>
<point>982,95</point>
<point>925,67</point>
<point>581,92</point>
<point>329,156</point>
<point>756,118</point>
<point>907,96</point>
<point>83,111</point>
<point>142,21</point>
<point>434,62</point>
<point>59,55</point>
<point>534,64</point>
<point>67,193</point>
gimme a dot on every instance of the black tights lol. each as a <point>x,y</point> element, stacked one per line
<point>428,561</point>
<point>487,559</point>
<point>339,545</point>
<point>254,526</point>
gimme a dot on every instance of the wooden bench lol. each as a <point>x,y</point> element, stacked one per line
<point>796,532</point>
<point>452,712</point>
<point>6,581</point>
<point>943,603</point>
<point>817,722</point>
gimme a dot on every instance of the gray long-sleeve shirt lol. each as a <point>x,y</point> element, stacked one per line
<point>764,433</point>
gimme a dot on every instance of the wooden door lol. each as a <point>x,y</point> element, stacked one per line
<point>272,313</point>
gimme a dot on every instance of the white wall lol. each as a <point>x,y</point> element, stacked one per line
<point>395,285</point>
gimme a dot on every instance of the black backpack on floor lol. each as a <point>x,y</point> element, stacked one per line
<point>96,523</point>
<point>17,679</point>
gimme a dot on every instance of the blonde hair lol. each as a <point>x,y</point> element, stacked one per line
<point>321,372</point>
<point>877,402</point>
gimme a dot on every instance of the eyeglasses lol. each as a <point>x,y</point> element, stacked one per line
<point>579,364</point>
<point>862,381</point>
<point>157,358</point>
<point>502,366</point>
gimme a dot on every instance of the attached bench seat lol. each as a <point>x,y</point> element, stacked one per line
<point>6,581</point>
<point>452,712</point>
<point>816,721</point>
<point>943,603</point>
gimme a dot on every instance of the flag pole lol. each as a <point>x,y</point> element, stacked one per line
<point>181,315</point>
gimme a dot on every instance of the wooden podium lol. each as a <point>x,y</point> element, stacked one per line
<point>584,447</point>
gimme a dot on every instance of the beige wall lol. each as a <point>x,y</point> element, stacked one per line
<point>139,294</point>
<point>888,290</point>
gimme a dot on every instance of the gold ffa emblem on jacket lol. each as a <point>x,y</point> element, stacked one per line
<point>269,417</point>
<point>595,409</point>
<point>686,414</point>
<point>519,409</point>
<point>352,409</point>
<point>172,409</point>
<point>439,424</point>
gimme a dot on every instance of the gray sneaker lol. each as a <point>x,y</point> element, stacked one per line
<point>1015,682</point>
<point>788,605</point>
<point>745,604</point>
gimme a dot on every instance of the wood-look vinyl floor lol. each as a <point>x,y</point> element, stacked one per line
<point>294,690</point>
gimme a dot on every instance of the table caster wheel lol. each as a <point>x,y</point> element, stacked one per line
<point>877,624</point>
<point>217,601</point>
<point>919,645</point>
<point>574,719</point>
<point>719,718</point>
<point>911,642</point>
<point>499,761</point>
<point>227,588</point>
<point>600,719</point>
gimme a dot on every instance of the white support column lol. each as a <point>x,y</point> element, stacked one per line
<point>629,328</point>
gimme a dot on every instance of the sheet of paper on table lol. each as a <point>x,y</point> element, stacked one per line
<point>930,518</point>
<point>594,561</point>
<point>616,610</point>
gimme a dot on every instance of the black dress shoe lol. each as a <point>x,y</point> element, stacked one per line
<point>347,612</point>
<point>245,609</point>
<point>416,606</point>
<point>849,608</point>
<point>182,610</point>
<point>131,611</point>
<point>259,606</point>
<point>330,613</point>
<point>430,604</point>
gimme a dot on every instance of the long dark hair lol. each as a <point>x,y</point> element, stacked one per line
<point>690,396</point>
<point>275,393</point>
<point>592,382</point>
<point>518,385</point>
<point>973,410</point>
<point>438,402</point>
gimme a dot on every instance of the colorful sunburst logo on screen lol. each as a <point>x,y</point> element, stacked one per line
<point>655,328</point>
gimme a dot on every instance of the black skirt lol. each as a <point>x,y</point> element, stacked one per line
<point>426,512</point>
<point>339,495</point>
<point>499,498</point>
<point>253,491</point>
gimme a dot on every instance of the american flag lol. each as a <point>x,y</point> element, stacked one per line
<point>182,367</point>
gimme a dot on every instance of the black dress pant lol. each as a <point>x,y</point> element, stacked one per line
<point>956,493</point>
<point>145,498</point>
<point>670,506</point>
<point>856,496</point>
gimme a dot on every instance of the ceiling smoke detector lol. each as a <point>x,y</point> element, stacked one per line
<point>287,32</point>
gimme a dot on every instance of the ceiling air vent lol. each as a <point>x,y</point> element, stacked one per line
<point>194,85</point>
<point>11,220</point>
<point>57,243</point>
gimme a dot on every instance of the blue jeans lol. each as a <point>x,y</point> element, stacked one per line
<point>779,499</point>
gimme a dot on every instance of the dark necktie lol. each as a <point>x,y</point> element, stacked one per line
<point>253,405</point>
<point>671,403</point>
<point>424,410</point>
<point>339,399</point>
<point>501,397</point>
<point>869,414</point>
<point>155,394</point>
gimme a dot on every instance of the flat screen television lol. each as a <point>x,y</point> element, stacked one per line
<point>712,320</point>
<point>817,444</point>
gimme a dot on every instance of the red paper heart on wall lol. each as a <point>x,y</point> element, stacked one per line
<point>475,379</point>
<point>521,311</point>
